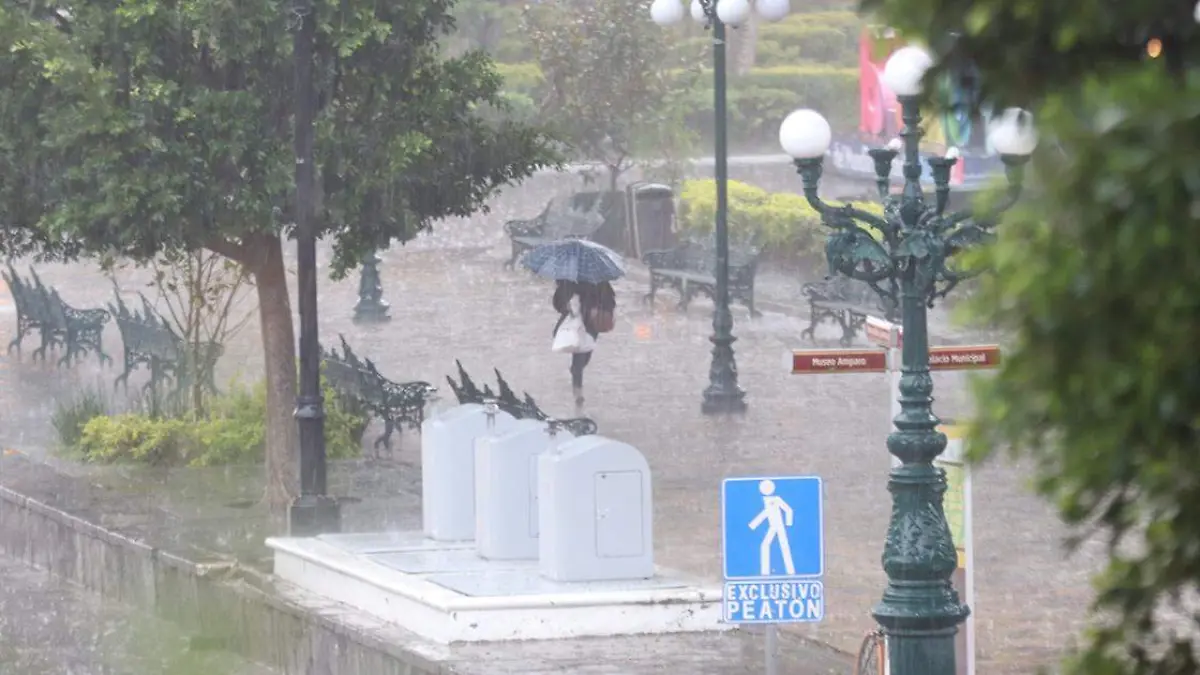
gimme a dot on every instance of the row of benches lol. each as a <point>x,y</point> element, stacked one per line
<point>358,382</point>
<point>690,269</point>
<point>148,340</point>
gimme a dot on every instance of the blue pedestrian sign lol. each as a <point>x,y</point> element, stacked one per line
<point>773,537</point>
<point>787,601</point>
<point>772,527</point>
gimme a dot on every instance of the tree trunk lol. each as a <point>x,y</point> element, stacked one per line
<point>279,355</point>
<point>744,46</point>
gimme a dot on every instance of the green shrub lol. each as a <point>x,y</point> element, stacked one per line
<point>232,432</point>
<point>71,416</point>
<point>779,222</point>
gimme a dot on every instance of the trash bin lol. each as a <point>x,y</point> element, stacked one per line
<point>651,218</point>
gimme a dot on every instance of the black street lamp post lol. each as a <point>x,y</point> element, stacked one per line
<point>723,394</point>
<point>313,512</point>
<point>920,611</point>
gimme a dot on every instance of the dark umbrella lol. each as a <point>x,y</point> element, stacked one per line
<point>577,260</point>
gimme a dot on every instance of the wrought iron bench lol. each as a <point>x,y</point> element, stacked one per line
<point>148,340</point>
<point>506,399</point>
<point>844,301</point>
<point>559,220</point>
<point>358,382</point>
<point>690,268</point>
<point>41,308</point>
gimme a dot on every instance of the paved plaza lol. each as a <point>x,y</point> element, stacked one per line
<point>451,299</point>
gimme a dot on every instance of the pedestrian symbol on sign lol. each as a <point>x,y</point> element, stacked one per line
<point>772,527</point>
<point>779,517</point>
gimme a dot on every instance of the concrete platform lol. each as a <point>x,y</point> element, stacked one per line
<point>446,593</point>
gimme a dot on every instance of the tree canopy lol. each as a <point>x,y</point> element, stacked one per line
<point>1097,278</point>
<point>615,81</point>
<point>168,124</point>
<point>136,127</point>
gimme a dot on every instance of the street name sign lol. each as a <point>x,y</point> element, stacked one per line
<point>839,361</point>
<point>773,541</point>
<point>964,357</point>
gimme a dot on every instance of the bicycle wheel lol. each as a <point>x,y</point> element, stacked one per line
<point>870,655</point>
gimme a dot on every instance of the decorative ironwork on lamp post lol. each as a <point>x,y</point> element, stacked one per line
<point>920,611</point>
<point>314,511</point>
<point>723,394</point>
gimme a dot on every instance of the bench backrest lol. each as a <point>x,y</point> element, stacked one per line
<point>56,309</point>
<point>842,288</point>
<point>342,376</point>
<point>700,255</point>
<point>562,219</point>
<point>25,298</point>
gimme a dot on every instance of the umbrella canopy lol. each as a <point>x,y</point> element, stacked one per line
<point>577,260</point>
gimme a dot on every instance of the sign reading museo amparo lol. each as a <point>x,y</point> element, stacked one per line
<point>774,549</point>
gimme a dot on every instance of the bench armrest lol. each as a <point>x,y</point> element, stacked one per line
<point>530,227</point>
<point>659,259</point>
<point>91,317</point>
<point>580,426</point>
<point>815,290</point>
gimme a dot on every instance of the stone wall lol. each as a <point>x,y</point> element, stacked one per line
<point>224,605</point>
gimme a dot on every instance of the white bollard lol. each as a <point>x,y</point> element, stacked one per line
<point>506,512</point>
<point>595,512</point>
<point>448,470</point>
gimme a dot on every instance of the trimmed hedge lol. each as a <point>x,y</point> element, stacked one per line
<point>820,44</point>
<point>782,223</point>
<point>523,78</point>
<point>779,222</point>
<point>847,22</point>
<point>759,100</point>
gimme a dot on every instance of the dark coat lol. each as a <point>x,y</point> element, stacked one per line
<point>590,295</point>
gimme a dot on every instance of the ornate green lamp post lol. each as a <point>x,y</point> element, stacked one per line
<point>371,307</point>
<point>920,611</point>
<point>723,395</point>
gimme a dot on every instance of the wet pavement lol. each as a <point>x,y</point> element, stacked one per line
<point>451,299</point>
<point>48,627</point>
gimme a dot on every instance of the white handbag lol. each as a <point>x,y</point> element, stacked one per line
<point>572,337</point>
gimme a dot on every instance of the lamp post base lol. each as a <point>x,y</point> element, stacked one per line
<point>722,400</point>
<point>372,312</point>
<point>310,515</point>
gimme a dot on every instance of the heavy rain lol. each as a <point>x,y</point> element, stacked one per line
<point>622,337</point>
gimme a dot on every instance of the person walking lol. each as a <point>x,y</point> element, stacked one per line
<point>595,305</point>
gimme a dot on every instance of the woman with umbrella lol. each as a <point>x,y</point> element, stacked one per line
<point>582,270</point>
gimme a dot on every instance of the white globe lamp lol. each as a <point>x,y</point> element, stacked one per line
<point>805,134</point>
<point>698,14</point>
<point>733,12</point>
<point>666,12</point>
<point>1012,133</point>
<point>773,10</point>
<point>903,72</point>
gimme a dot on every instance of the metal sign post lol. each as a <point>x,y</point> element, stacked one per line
<point>886,357</point>
<point>958,501</point>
